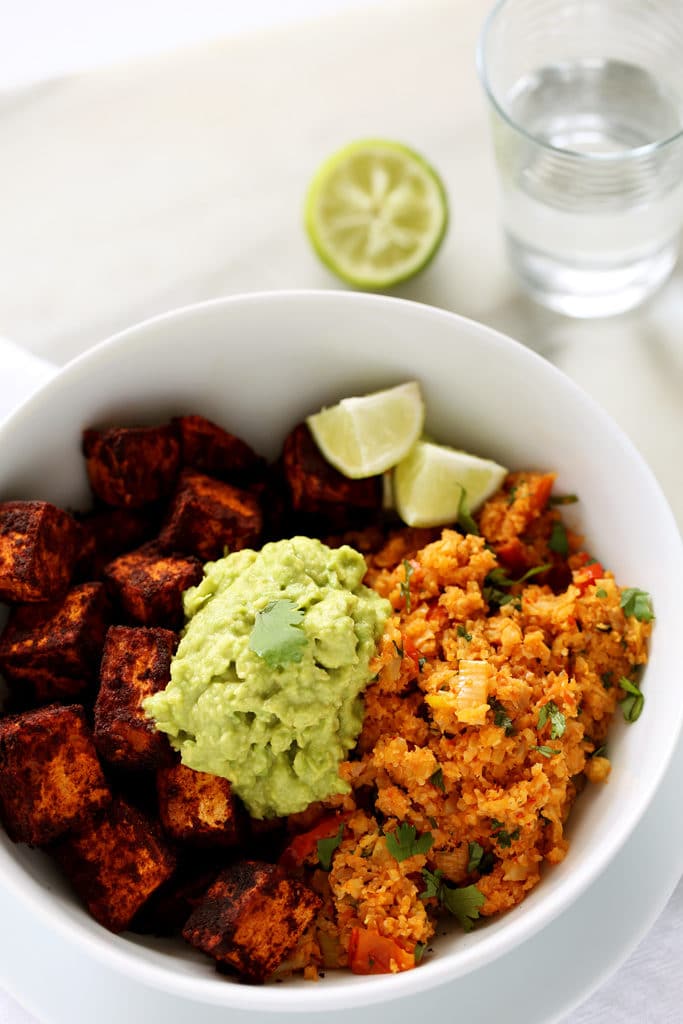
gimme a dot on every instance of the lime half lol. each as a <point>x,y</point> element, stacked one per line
<point>376,213</point>
<point>429,483</point>
<point>365,436</point>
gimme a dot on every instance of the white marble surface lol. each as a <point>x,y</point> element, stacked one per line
<point>178,177</point>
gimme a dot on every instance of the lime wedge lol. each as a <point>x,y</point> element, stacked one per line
<point>429,483</point>
<point>376,213</point>
<point>367,435</point>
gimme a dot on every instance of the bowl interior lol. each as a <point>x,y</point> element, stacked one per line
<point>257,365</point>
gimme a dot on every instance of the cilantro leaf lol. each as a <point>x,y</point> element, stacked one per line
<point>404,585</point>
<point>559,542</point>
<point>501,717</point>
<point>563,499</point>
<point>461,631</point>
<point>421,662</point>
<point>637,603</point>
<point>277,636</point>
<point>476,852</point>
<point>419,951</point>
<point>558,722</point>
<point>465,520</point>
<point>503,837</point>
<point>547,751</point>
<point>534,571</point>
<point>463,903</point>
<point>433,882</point>
<point>326,848</point>
<point>601,592</point>
<point>436,779</point>
<point>405,842</point>
<point>497,583</point>
<point>632,704</point>
<point>480,860</point>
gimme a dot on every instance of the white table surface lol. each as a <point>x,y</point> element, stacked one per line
<point>178,176</point>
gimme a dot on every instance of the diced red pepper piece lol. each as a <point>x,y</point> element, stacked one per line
<point>372,953</point>
<point>588,573</point>
<point>305,845</point>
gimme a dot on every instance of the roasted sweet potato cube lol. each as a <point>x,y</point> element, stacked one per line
<point>38,548</point>
<point>115,863</point>
<point>207,447</point>
<point>252,917</point>
<point>169,907</point>
<point>136,662</point>
<point>109,532</point>
<point>316,486</point>
<point>131,466</point>
<point>198,808</point>
<point>149,585</point>
<point>50,778</point>
<point>206,516</point>
<point>54,648</point>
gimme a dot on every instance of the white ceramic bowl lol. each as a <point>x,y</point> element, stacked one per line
<point>257,364</point>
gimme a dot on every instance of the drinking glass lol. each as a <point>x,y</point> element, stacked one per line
<point>586,104</point>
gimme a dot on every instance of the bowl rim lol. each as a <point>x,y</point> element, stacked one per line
<point>121,955</point>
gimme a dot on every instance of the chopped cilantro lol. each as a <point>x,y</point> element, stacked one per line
<point>404,585</point>
<point>277,636</point>
<point>632,704</point>
<point>558,722</point>
<point>599,751</point>
<point>465,520</point>
<point>547,751</point>
<point>436,779</point>
<point>421,662</point>
<point>601,592</point>
<point>501,717</point>
<point>419,951</point>
<point>503,837</point>
<point>637,603</point>
<point>511,495</point>
<point>399,650</point>
<point>405,842</point>
<point>497,582</point>
<point>607,680</point>
<point>476,852</point>
<point>563,499</point>
<point>433,883</point>
<point>461,631</point>
<point>326,848</point>
<point>463,903</point>
<point>559,542</point>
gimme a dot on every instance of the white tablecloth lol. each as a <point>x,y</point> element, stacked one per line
<point>180,177</point>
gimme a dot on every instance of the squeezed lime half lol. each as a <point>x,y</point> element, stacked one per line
<point>376,213</point>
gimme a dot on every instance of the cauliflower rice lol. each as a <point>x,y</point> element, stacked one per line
<point>488,714</point>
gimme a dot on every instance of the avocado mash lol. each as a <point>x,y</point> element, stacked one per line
<point>265,686</point>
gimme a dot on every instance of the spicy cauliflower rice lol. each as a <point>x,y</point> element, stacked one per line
<point>487,715</point>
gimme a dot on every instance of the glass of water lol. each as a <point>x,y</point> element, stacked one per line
<point>587,111</point>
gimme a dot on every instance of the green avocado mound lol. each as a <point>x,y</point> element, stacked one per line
<point>266,684</point>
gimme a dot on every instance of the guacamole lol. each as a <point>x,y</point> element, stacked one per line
<point>265,686</point>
